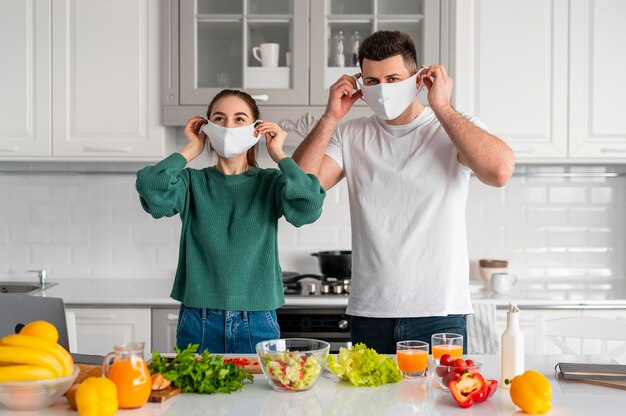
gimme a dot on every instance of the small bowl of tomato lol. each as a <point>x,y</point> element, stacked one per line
<point>451,369</point>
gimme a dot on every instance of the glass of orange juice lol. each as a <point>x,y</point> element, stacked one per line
<point>447,343</point>
<point>412,358</point>
<point>126,367</point>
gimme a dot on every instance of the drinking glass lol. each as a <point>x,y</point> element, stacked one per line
<point>412,358</point>
<point>447,343</point>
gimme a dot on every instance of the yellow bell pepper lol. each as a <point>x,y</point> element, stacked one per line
<point>531,392</point>
<point>96,396</point>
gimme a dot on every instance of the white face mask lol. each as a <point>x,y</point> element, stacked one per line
<point>230,141</point>
<point>389,100</point>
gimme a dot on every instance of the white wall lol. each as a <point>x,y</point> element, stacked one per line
<point>91,225</point>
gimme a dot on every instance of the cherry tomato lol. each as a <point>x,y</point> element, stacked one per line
<point>470,363</point>
<point>460,363</point>
<point>446,359</point>
<point>442,370</point>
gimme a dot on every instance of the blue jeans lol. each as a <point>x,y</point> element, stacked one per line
<point>225,332</point>
<point>383,333</point>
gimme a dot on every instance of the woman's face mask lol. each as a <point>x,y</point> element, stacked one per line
<point>230,141</point>
<point>389,100</point>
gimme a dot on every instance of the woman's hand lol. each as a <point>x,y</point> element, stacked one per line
<point>196,139</point>
<point>274,138</point>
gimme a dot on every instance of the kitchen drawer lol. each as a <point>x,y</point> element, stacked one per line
<point>99,329</point>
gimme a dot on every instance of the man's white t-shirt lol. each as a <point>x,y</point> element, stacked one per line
<point>408,194</point>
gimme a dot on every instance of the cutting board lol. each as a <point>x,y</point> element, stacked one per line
<point>159,396</point>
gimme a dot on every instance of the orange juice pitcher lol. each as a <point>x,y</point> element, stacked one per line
<point>126,367</point>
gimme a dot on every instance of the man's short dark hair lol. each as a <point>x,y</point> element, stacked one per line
<point>385,44</point>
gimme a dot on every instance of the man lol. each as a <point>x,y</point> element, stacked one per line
<point>408,170</point>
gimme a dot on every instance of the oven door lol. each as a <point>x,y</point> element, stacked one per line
<point>326,324</point>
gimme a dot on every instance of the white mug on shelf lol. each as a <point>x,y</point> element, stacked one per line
<point>502,282</point>
<point>269,54</point>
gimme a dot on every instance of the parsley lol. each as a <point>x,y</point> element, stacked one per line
<point>203,373</point>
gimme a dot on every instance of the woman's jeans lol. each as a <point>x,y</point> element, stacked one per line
<point>225,332</point>
<point>383,333</point>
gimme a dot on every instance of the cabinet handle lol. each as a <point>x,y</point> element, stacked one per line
<point>610,150</point>
<point>109,316</point>
<point>12,149</point>
<point>172,317</point>
<point>261,97</point>
<point>107,149</point>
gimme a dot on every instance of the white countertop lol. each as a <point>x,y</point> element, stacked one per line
<point>156,293</point>
<point>331,397</point>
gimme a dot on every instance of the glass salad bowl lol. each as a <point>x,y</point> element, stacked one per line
<point>292,364</point>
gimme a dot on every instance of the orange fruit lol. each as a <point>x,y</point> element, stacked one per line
<point>41,329</point>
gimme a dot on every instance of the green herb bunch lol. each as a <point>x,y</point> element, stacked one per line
<point>203,373</point>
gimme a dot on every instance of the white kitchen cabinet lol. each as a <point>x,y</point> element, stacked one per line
<point>198,31</point>
<point>527,322</point>
<point>25,118</point>
<point>595,346</point>
<point>540,74</point>
<point>597,105</point>
<point>83,81</point>
<point>98,330</point>
<point>164,324</point>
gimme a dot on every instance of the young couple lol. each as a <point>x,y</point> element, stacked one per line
<point>407,169</point>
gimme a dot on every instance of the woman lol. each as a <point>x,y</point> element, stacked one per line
<point>228,278</point>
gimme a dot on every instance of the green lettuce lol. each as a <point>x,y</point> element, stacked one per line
<point>364,367</point>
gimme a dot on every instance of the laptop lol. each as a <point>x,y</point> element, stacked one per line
<point>16,310</point>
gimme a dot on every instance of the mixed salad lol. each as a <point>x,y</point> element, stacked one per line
<point>292,370</point>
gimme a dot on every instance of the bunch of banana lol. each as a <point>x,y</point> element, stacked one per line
<point>25,357</point>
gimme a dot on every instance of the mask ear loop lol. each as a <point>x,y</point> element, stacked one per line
<point>424,68</point>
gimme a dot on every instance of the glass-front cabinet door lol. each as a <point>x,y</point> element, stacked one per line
<point>260,46</point>
<point>338,27</point>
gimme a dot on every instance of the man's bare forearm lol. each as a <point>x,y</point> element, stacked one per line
<point>490,158</point>
<point>310,152</point>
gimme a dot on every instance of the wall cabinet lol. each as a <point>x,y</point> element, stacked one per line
<point>540,74</point>
<point>99,329</point>
<point>210,47</point>
<point>83,80</point>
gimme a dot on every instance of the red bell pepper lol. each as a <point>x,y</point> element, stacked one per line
<point>468,389</point>
<point>490,388</point>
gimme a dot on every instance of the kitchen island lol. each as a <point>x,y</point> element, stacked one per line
<point>331,397</point>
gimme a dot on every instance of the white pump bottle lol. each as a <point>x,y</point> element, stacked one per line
<point>512,347</point>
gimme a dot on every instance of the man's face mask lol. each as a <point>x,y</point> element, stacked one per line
<point>230,141</point>
<point>389,100</point>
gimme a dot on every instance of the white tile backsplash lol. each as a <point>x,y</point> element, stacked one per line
<point>92,225</point>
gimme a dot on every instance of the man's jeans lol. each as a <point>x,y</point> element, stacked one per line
<point>225,332</point>
<point>382,334</point>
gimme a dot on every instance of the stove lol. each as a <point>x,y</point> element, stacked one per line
<point>326,323</point>
<point>324,286</point>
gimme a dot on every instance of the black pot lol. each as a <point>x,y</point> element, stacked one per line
<point>335,263</point>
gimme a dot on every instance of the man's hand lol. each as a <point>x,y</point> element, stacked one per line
<point>196,139</point>
<point>274,138</point>
<point>341,97</point>
<point>439,86</point>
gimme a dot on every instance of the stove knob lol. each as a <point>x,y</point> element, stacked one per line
<point>343,324</point>
<point>325,289</point>
<point>337,289</point>
<point>312,288</point>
